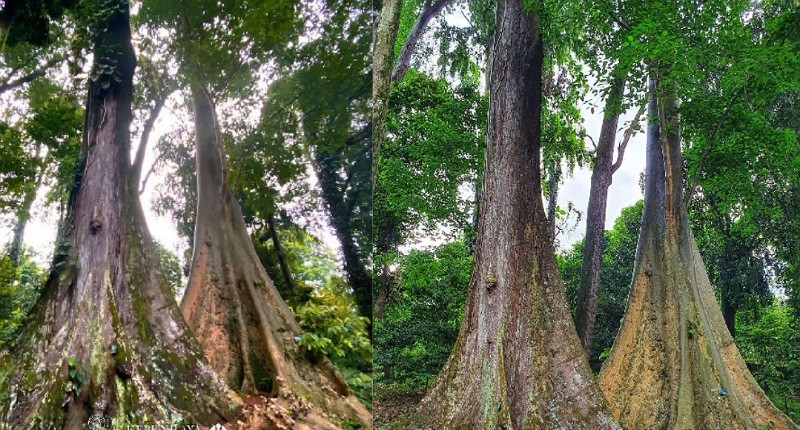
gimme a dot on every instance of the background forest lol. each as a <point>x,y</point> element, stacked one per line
<point>740,112</point>
<point>288,86</point>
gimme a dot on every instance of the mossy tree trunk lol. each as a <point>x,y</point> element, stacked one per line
<point>245,328</point>
<point>333,190</point>
<point>107,337</point>
<point>674,365</point>
<point>517,362</point>
<point>385,36</point>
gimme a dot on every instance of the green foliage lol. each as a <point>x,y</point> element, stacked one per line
<point>171,267</point>
<point>769,341</point>
<point>434,148</point>
<point>421,323</point>
<point>16,167</point>
<point>222,43</point>
<point>332,327</point>
<point>19,289</point>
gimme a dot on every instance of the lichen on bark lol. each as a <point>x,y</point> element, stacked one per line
<point>105,294</point>
<point>246,330</point>
<point>673,364</point>
<point>517,362</point>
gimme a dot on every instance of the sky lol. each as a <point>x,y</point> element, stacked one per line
<point>41,229</point>
<point>624,190</point>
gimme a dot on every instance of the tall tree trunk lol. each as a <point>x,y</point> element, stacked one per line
<point>24,211</point>
<point>517,362</point>
<point>360,280</point>
<point>594,241</point>
<point>674,365</point>
<point>430,9</point>
<point>382,62</point>
<point>106,337</point>
<point>244,327</point>
<point>276,243</point>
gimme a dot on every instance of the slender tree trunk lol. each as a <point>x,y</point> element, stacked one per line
<point>360,280</point>
<point>674,365</point>
<point>244,327</point>
<point>382,62</point>
<point>138,161</point>
<point>276,242</point>
<point>106,337</point>
<point>594,241</point>
<point>517,362</point>
<point>430,9</point>
<point>24,212</point>
<point>553,182</point>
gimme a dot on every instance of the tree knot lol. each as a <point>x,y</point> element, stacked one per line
<point>96,222</point>
<point>491,280</point>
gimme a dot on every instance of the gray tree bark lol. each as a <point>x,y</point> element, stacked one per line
<point>594,241</point>
<point>106,337</point>
<point>517,362</point>
<point>382,62</point>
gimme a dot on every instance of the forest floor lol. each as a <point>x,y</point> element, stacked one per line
<point>390,405</point>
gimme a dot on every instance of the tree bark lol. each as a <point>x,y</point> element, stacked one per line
<point>246,330</point>
<point>382,61</point>
<point>429,10</point>
<point>594,241</point>
<point>106,337</point>
<point>553,182</point>
<point>674,365</point>
<point>359,278</point>
<point>517,362</point>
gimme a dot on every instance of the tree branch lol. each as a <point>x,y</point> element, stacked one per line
<point>136,167</point>
<point>627,137</point>
<point>5,86</point>
<point>429,10</point>
<point>150,172</point>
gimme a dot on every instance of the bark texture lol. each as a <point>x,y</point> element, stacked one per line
<point>245,328</point>
<point>107,337</point>
<point>517,362</point>
<point>594,241</point>
<point>382,62</point>
<point>674,365</point>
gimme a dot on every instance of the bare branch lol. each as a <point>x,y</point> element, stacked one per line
<point>150,172</point>
<point>138,161</point>
<point>627,137</point>
<point>429,10</point>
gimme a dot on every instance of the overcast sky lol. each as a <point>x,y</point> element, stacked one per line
<point>624,190</point>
